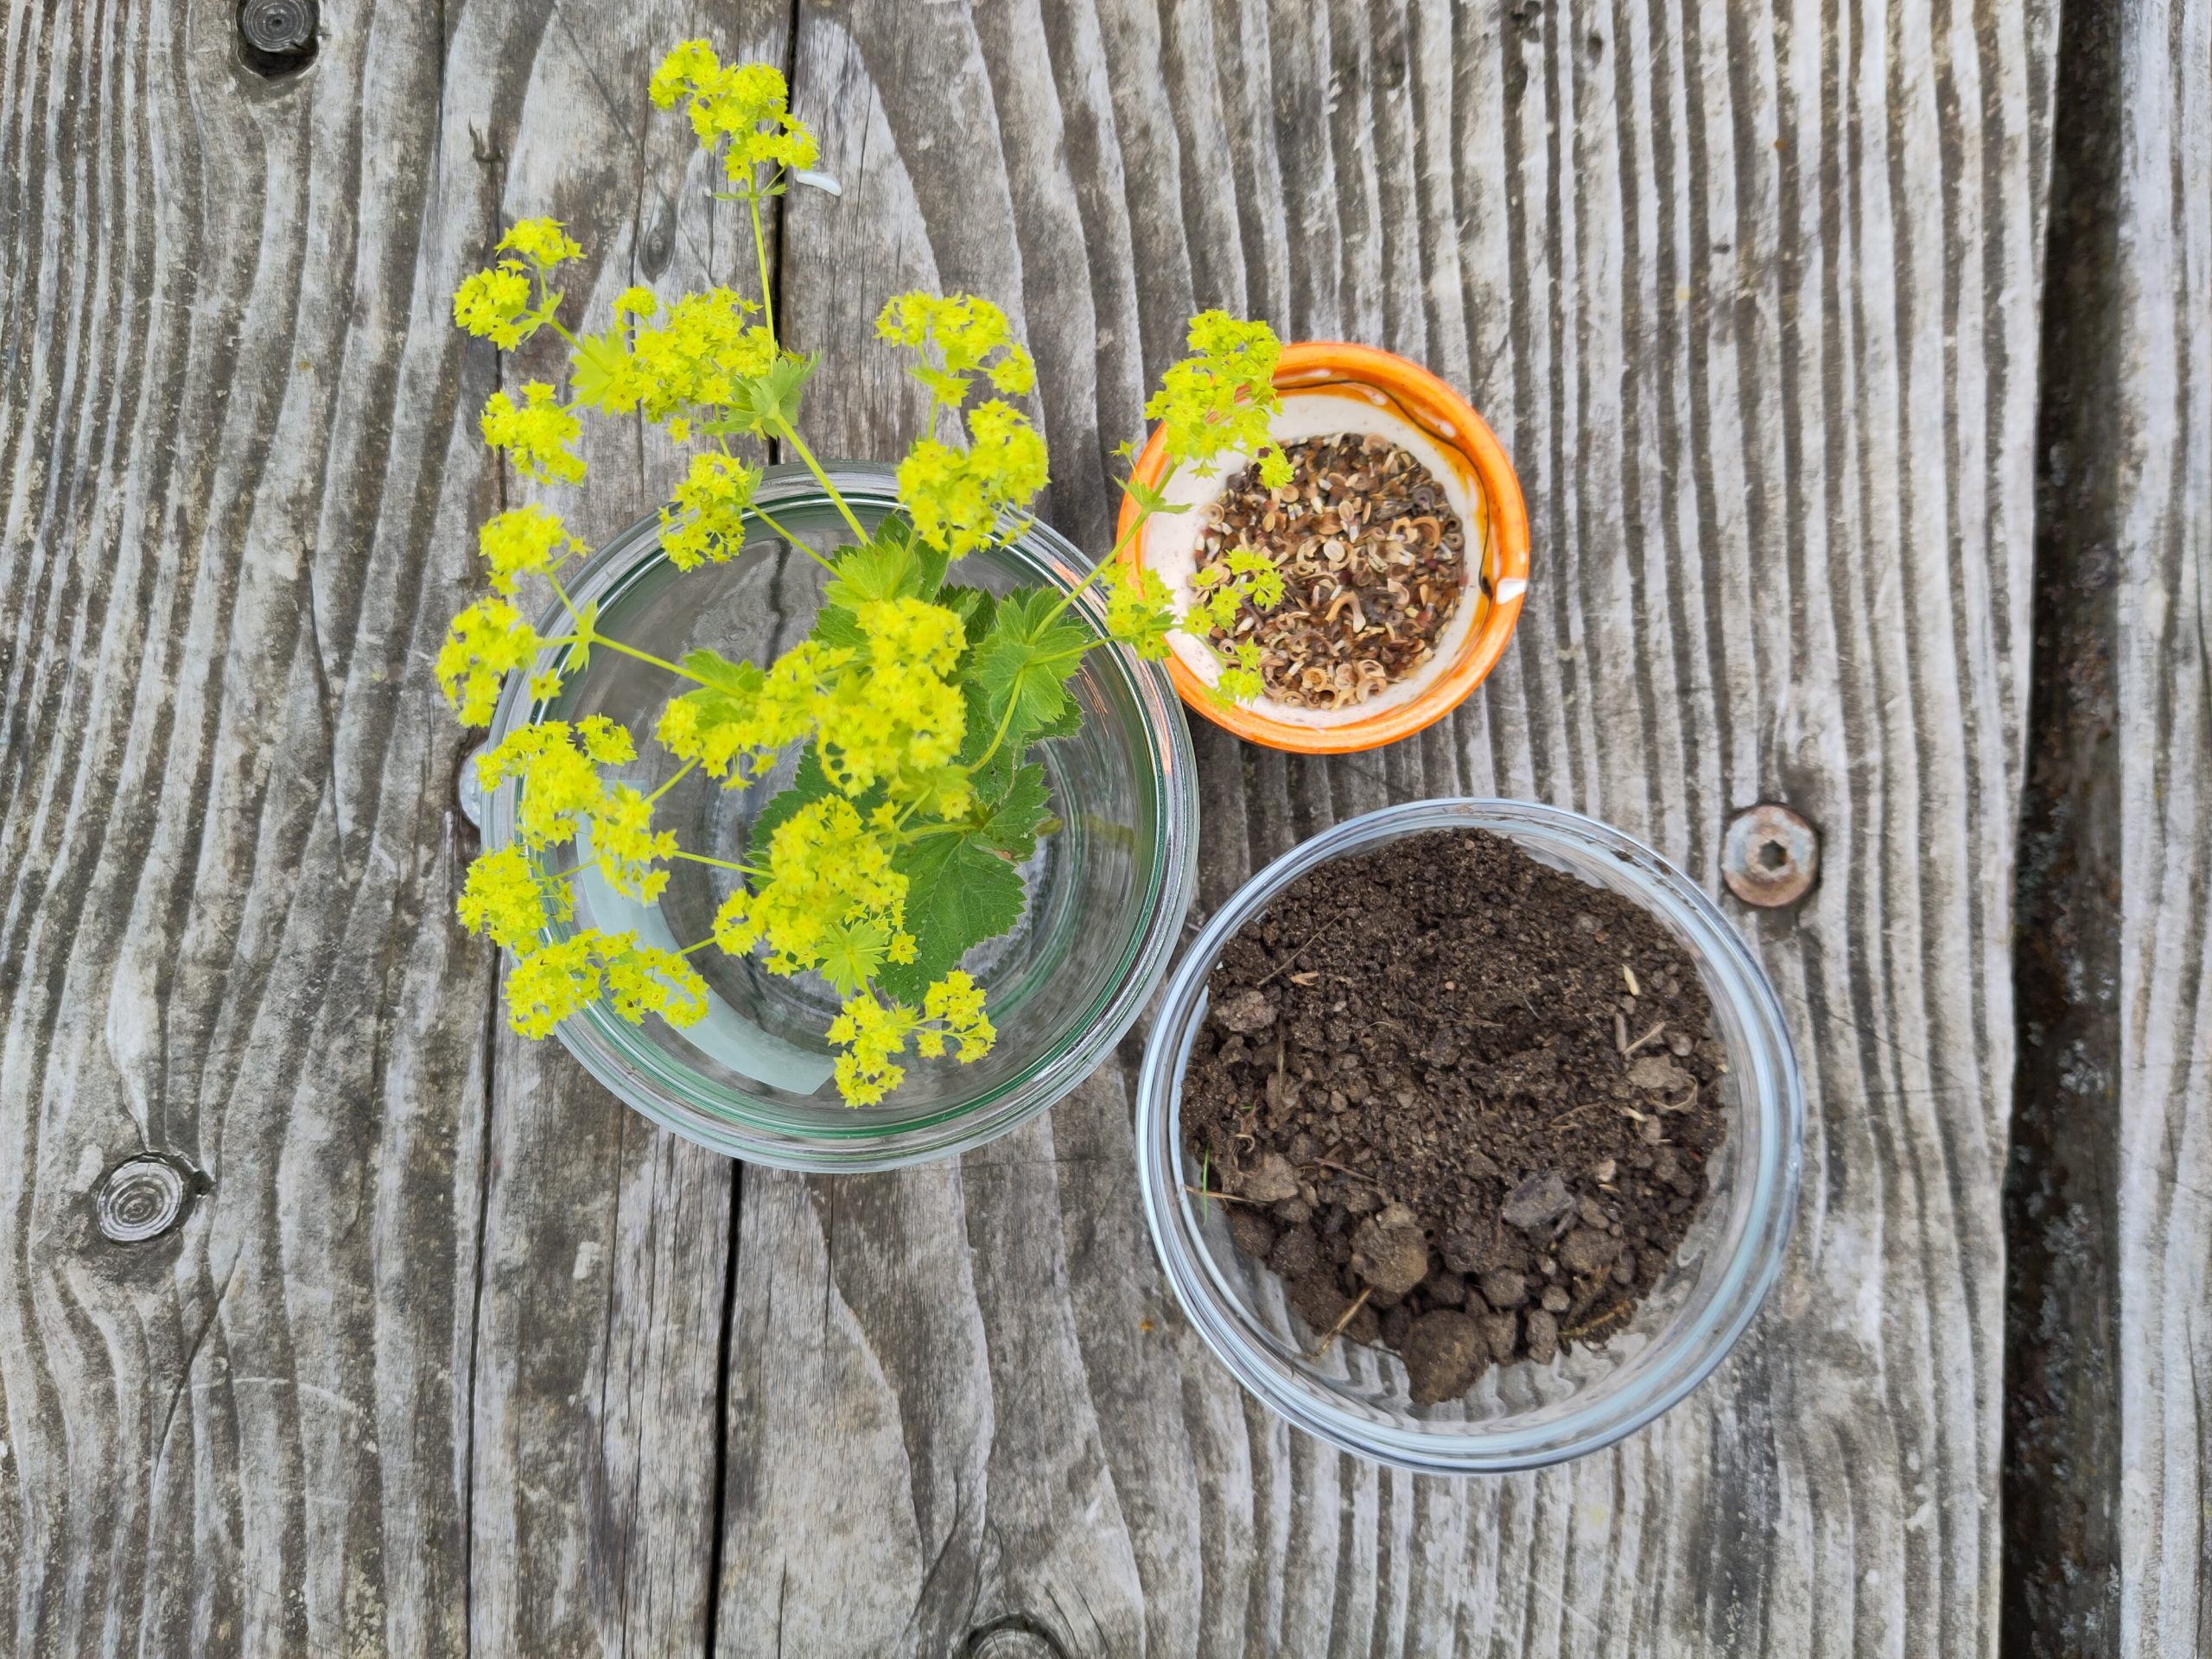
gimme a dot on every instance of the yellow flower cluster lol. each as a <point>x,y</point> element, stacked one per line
<point>705,522</point>
<point>503,899</point>
<point>481,644</point>
<point>1141,611</point>
<point>954,496</point>
<point>953,337</point>
<point>1220,399</point>
<point>735,727</point>
<point>695,359</point>
<point>745,104</point>
<point>525,542</point>
<point>562,792</point>
<point>895,717</point>
<point>874,1035</point>
<point>955,1006</point>
<point>830,899</point>
<point>1245,574</point>
<point>494,304</point>
<point>548,985</point>
<point>545,242</point>
<point>536,433</point>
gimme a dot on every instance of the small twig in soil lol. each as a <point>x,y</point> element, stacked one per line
<point>1642,1040</point>
<point>1620,1031</point>
<point>1296,953</point>
<point>1574,1112</point>
<point>1342,1319</point>
<point>1226,1197</point>
<point>1605,1319</point>
<point>1342,1170</point>
<point>1684,1103</point>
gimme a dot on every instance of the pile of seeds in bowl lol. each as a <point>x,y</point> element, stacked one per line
<point>1373,561</point>
<point>1461,1100</point>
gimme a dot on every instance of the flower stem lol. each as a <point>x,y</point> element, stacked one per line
<point>684,771</point>
<point>1113,556</point>
<point>784,430</point>
<point>719,863</point>
<point>760,251</point>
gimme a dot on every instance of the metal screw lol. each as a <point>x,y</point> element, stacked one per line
<point>1769,855</point>
<point>470,785</point>
<point>141,1198</point>
<point>278,34</point>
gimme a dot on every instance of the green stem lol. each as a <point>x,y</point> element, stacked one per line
<point>784,429</point>
<point>1006,721</point>
<point>684,771</point>
<point>702,945</point>
<point>719,863</point>
<point>761,249</point>
<point>1113,556</point>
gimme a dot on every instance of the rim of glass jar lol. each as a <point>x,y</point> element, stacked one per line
<point>1771,1089</point>
<point>730,1122</point>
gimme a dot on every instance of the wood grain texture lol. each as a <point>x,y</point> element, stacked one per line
<point>237,514</point>
<point>598,1339</point>
<point>2162,535</point>
<point>1751,300</point>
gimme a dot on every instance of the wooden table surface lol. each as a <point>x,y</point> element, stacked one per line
<point>1857,360</point>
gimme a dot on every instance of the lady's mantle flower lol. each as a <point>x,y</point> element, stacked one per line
<point>503,899</point>
<point>1221,397</point>
<point>745,104</point>
<point>953,337</point>
<point>525,542</point>
<point>556,980</point>
<point>830,899</point>
<point>954,496</point>
<point>482,644</point>
<point>536,433</point>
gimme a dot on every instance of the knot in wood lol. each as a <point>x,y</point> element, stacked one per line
<point>277,35</point>
<point>1769,855</point>
<point>141,1198</point>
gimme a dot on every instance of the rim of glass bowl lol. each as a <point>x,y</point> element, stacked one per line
<point>1770,1090</point>
<point>731,1121</point>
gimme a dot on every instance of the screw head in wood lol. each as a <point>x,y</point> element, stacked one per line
<point>141,1198</point>
<point>1769,855</point>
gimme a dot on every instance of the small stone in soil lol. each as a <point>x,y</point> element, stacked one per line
<point>1444,1353</point>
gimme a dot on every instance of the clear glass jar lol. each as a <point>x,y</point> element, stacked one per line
<point>1106,893</point>
<point>1524,1415</point>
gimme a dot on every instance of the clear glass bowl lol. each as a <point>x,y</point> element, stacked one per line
<point>1524,1415</point>
<point>1107,892</point>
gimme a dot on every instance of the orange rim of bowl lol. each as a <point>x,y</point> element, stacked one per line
<point>1447,418</point>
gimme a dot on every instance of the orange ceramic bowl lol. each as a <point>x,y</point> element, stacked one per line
<point>1382,379</point>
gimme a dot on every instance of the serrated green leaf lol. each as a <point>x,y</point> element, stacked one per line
<point>1023,663</point>
<point>809,785</point>
<point>974,609</point>
<point>836,625</point>
<point>741,679</point>
<point>593,361</point>
<point>958,894</point>
<point>766,402</point>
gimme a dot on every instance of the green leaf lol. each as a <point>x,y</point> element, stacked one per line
<point>740,679</point>
<point>973,606</point>
<point>1024,662</point>
<point>810,785</point>
<point>963,885</point>
<point>767,401</point>
<point>594,362</point>
<point>958,893</point>
<point>836,625</point>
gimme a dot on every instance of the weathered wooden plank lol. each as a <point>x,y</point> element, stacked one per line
<point>2162,535</point>
<point>1751,300</point>
<point>598,1340</point>
<point>236,517</point>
